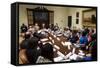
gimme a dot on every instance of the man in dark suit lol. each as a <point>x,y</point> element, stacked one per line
<point>23,28</point>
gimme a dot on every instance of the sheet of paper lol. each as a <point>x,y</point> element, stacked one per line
<point>57,47</point>
<point>58,39</point>
<point>60,54</point>
<point>68,55</point>
<point>58,59</point>
<point>68,43</point>
<point>69,47</point>
<point>73,57</point>
<point>73,51</point>
<point>80,51</point>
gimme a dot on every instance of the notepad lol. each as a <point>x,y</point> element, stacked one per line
<point>57,47</point>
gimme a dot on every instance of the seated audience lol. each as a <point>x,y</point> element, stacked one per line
<point>83,40</point>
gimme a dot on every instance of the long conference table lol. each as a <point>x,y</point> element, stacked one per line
<point>63,49</point>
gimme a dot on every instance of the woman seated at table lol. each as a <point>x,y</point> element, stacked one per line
<point>67,32</point>
<point>83,41</point>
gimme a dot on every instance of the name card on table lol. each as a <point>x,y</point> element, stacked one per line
<point>63,43</point>
<point>50,38</point>
<point>57,47</point>
<point>58,39</point>
<point>73,51</point>
<point>54,36</point>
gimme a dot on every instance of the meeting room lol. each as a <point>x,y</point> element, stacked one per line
<point>51,34</point>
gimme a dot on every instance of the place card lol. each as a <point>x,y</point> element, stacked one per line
<point>45,39</point>
<point>50,38</point>
<point>58,39</point>
<point>53,41</point>
<point>50,42</point>
<point>57,47</point>
<point>63,43</point>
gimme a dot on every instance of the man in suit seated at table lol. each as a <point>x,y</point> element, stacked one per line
<point>33,51</point>
<point>47,54</point>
